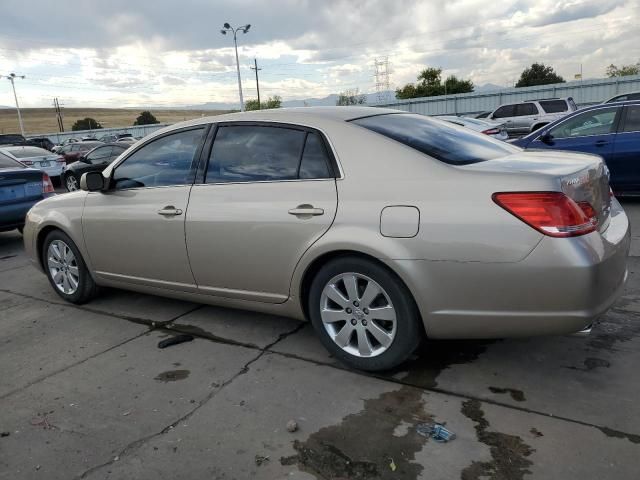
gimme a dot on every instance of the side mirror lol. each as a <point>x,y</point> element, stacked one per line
<point>546,137</point>
<point>92,182</point>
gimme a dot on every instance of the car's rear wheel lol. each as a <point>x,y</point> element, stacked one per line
<point>364,314</point>
<point>71,182</point>
<point>66,270</point>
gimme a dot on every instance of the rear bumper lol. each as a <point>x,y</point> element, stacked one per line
<point>561,287</point>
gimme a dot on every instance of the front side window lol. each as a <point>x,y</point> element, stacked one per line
<point>115,153</point>
<point>632,120</point>
<point>523,109</point>
<point>253,153</point>
<point>505,111</point>
<point>437,138</point>
<point>553,106</point>
<point>594,122</point>
<point>163,162</point>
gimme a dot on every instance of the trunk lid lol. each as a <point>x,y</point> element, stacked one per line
<point>582,177</point>
<point>20,184</point>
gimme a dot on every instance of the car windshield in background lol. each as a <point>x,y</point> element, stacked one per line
<point>27,152</point>
<point>436,138</point>
<point>554,106</point>
<point>6,162</point>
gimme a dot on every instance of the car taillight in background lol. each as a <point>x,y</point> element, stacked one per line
<point>551,213</point>
<point>47,186</point>
<point>61,160</point>
<point>491,131</point>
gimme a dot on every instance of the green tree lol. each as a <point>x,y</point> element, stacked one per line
<point>272,102</point>
<point>351,97</point>
<point>632,69</point>
<point>146,118</point>
<point>430,84</point>
<point>86,124</point>
<point>538,74</point>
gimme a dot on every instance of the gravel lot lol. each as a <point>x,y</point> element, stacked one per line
<point>86,393</point>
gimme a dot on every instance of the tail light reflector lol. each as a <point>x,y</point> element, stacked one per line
<point>551,213</point>
<point>491,131</point>
<point>47,186</point>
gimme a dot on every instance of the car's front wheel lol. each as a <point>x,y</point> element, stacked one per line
<point>364,314</point>
<point>66,270</point>
<point>71,182</point>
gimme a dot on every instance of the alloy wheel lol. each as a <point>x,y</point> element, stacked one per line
<point>63,267</point>
<point>71,183</point>
<point>358,315</point>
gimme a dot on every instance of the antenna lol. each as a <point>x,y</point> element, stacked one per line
<point>381,73</point>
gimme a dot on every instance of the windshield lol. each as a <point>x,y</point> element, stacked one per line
<point>436,138</point>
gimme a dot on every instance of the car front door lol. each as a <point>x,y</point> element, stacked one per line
<point>506,114</point>
<point>592,131</point>
<point>268,195</point>
<point>624,165</point>
<point>134,230</point>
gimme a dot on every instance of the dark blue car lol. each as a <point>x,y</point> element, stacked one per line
<point>610,130</point>
<point>20,189</point>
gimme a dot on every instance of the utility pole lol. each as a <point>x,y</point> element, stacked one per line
<point>56,106</point>
<point>11,77</point>
<point>255,67</point>
<point>243,29</point>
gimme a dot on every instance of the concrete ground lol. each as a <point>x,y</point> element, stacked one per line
<point>86,393</point>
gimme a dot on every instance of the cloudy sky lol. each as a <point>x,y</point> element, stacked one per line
<point>171,53</point>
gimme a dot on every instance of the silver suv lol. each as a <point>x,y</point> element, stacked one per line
<point>525,117</point>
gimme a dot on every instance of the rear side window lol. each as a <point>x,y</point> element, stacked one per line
<point>253,153</point>
<point>505,111</point>
<point>523,109</point>
<point>6,162</point>
<point>553,106</point>
<point>632,120</point>
<point>315,161</point>
<point>593,122</point>
<point>438,139</point>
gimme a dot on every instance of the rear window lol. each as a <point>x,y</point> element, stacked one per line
<point>27,152</point>
<point>6,162</point>
<point>438,139</point>
<point>554,106</point>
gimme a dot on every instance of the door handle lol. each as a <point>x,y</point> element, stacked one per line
<point>306,211</point>
<point>601,143</point>
<point>170,211</point>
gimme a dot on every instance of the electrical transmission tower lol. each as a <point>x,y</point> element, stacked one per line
<point>381,73</point>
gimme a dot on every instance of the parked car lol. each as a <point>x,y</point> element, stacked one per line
<point>623,97</point>
<point>12,139</point>
<point>526,117</point>
<point>72,151</point>
<point>127,140</point>
<point>114,137</point>
<point>95,160</point>
<point>36,157</point>
<point>42,142</point>
<point>380,226</point>
<point>20,189</point>
<point>611,131</point>
<point>483,114</point>
<point>493,129</point>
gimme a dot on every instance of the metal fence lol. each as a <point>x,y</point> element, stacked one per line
<point>136,131</point>
<point>587,92</point>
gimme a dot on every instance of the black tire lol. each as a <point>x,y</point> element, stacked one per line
<point>66,177</point>
<point>87,288</point>
<point>409,330</point>
<point>21,229</point>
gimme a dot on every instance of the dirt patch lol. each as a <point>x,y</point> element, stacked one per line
<point>609,432</point>
<point>517,395</point>
<point>615,327</point>
<point>172,375</point>
<point>592,363</point>
<point>364,446</point>
<point>508,452</point>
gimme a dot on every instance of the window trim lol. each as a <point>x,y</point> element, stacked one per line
<point>335,169</point>
<point>623,121</point>
<point>194,162</point>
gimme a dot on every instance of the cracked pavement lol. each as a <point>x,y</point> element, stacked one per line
<point>86,393</point>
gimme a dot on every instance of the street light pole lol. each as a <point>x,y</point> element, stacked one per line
<point>243,29</point>
<point>11,77</point>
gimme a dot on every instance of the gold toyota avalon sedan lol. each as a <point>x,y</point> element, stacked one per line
<point>379,226</point>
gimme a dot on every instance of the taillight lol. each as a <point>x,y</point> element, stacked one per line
<point>552,213</point>
<point>60,160</point>
<point>491,131</point>
<point>47,186</point>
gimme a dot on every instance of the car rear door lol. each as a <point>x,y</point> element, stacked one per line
<point>525,116</point>
<point>593,131</point>
<point>134,231</point>
<point>269,193</point>
<point>624,164</point>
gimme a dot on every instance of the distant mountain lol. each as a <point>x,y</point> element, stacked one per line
<point>488,87</point>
